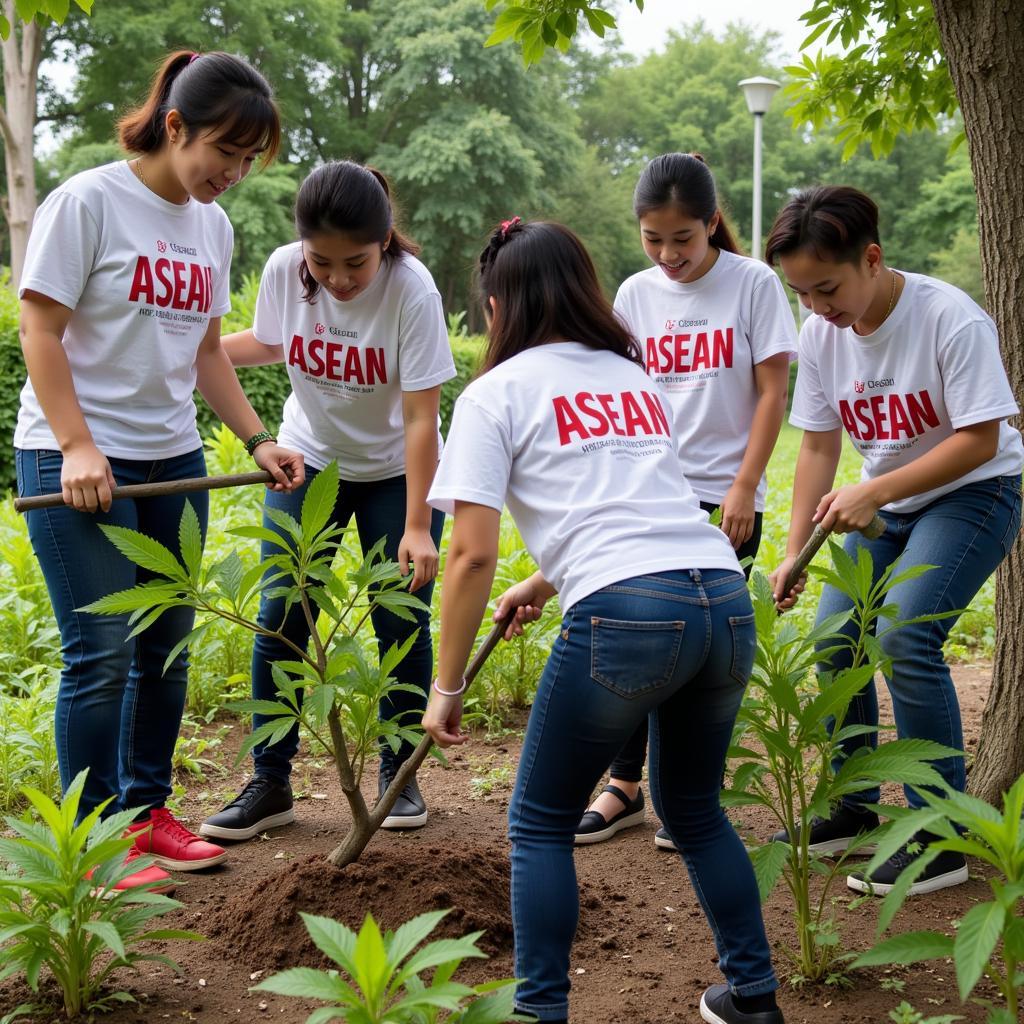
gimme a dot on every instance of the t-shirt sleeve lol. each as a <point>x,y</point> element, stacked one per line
<point>61,249</point>
<point>477,460</point>
<point>772,326</point>
<point>267,319</point>
<point>974,384</point>
<point>424,351</point>
<point>221,305</point>
<point>811,407</point>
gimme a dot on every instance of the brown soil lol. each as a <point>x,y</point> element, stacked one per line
<point>643,952</point>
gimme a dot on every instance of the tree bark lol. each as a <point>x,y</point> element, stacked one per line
<point>21,53</point>
<point>983,41</point>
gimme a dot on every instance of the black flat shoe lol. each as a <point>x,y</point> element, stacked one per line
<point>594,828</point>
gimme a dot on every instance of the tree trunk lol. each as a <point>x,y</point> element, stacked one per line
<point>983,41</point>
<point>21,52</point>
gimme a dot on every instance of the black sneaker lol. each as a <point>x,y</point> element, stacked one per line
<point>835,834</point>
<point>662,840</point>
<point>949,868</point>
<point>595,828</point>
<point>263,804</point>
<point>410,809</point>
<point>717,1007</point>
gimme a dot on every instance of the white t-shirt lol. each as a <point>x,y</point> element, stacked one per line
<point>578,444</point>
<point>701,341</point>
<point>349,362</point>
<point>932,367</point>
<point>143,277</point>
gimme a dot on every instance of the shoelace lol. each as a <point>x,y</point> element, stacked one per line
<point>163,819</point>
<point>253,790</point>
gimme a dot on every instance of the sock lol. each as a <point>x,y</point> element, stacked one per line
<point>764,1003</point>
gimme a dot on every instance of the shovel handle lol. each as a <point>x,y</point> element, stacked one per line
<point>872,531</point>
<point>198,483</point>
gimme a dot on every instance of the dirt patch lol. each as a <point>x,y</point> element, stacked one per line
<point>643,952</point>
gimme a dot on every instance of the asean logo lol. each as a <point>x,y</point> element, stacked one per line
<point>670,325</point>
<point>161,246</point>
<point>319,328</point>
<point>858,386</point>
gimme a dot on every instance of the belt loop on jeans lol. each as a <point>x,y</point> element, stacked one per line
<point>695,575</point>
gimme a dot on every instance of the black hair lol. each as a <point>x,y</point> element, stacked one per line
<point>835,222</point>
<point>545,287</point>
<point>352,200</point>
<point>683,180</point>
<point>210,91</point>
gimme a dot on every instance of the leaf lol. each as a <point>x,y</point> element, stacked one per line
<point>769,862</point>
<point>107,934</point>
<point>332,939</point>
<point>975,943</point>
<point>908,948</point>
<point>145,551</point>
<point>319,503</point>
<point>190,538</point>
<point>304,982</point>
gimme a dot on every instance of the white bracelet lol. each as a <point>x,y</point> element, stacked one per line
<point>450,693</point>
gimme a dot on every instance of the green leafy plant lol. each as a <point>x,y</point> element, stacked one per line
<point>384,976</point>
<point>59,908</point>
<point>28,752</point>
<point>343,685</point>
<point>906,1014</point>
<point>796,718</point>
<point>989,940</point>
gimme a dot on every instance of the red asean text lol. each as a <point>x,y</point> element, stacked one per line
<point>586,415</point>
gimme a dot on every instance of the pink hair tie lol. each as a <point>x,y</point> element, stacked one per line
<point>194,57</point>
<point>507,225</point>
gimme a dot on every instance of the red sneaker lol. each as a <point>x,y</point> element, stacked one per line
<point>172,845</point>
<point>156,879</point>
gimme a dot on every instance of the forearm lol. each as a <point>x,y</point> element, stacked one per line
<point>816,467</point>
<point>464,597</point>
<point>948,461</point>
<point>50,374</point>
<point>764,433</point>
<point>218,384</point>
<point>243,349</point>
<point>420,466</point>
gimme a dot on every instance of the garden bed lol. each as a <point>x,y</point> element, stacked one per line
<point>643,951</point>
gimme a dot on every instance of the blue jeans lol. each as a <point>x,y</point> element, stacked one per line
<point>379,509</point>
<point>965,534</point>
<point>679,647</point>
<point>118,712</point>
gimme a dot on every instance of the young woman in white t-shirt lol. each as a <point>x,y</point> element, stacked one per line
<point>565,428</point>
<point>909,368</point>
<point>718,335</point>
<point>358,321</point>
<point>125,282</point>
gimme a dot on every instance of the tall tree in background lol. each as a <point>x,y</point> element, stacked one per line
<point>909,62</point>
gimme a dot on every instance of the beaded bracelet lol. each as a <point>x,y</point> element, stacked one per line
<point>450,693</point>
<point>257,439</point>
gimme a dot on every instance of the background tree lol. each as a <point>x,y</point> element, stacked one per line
<point>909,64</point>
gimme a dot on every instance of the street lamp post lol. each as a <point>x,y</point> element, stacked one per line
<point>758,93</point>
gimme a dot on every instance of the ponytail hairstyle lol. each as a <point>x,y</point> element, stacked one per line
<point>835,222</point>
<point>545,289</point>
<point>347,198</point>
<point>683,180</point>
<point>212,92</point>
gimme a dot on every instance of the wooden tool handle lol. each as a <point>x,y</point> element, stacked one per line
<point>198,483</point>
<point>872,531</point>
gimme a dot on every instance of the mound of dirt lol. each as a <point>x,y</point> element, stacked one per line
<point>262,927</point>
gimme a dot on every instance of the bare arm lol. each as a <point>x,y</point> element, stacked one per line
<point>419,415</point>
<point>771,378</point>
<point>468,575</point>
<point>218,384</point>
<point>243,349</point>
<point>86,478</point>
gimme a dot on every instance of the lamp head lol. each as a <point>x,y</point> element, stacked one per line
<point>758,93</point>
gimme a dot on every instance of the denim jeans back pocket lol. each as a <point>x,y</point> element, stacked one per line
<point>744,642</point>
<point>634,658</point>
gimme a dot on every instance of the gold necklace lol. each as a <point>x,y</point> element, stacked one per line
<point>137,165</point>
<point>892,298</point>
